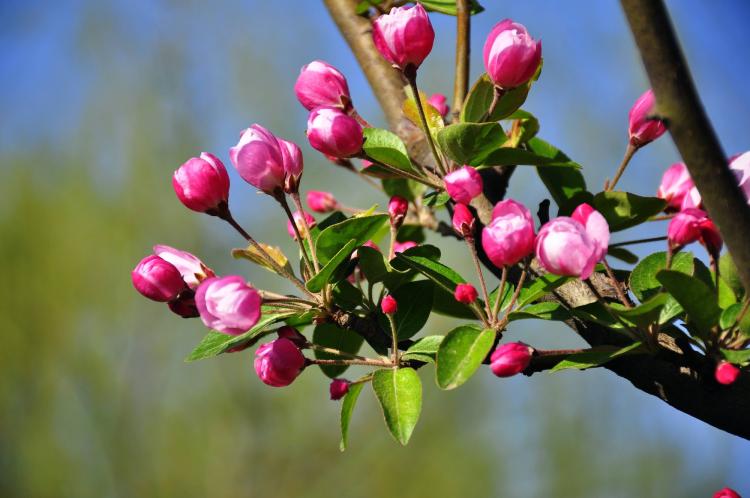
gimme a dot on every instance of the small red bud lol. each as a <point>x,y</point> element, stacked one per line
<point>397,208</point>
<point>339,388</point>
<point>726,373</point>
<point>465,293</point>
<point>389,305</point>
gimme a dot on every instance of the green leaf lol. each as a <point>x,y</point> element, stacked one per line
<point>737,356</point>
<point>624,210</point>
<point>316,283</point>
<point>413,233</point>
<point>708,277</point>
<point>696,298</point>
<point>432,115</point>
<point>549,310</point>
<point>331,335</point>
<point>470,143</point>
<point>377,269</point>
<point>525,127</point>
<point>215,343</point>
<point>399,392</point>
<point>507,156</point>
<point>360,229</point>
<point>424,349</point>
<point>728,317</point>
<point>539,287</point>
<point>444,303</point>
<point>480,97</point>
<point>622,254</point>
<point>566,185</point>
<point>403,187</point>
<point>595,356</point>
<point>435,271</point>
<point>436,199</point>
<point>414,305</point>
<point>385,147</point>
<point>460,354</point>
<point>347,296</point>
<point>644,314</point>
<point>449,6</point>
<point>728,273</point>
<point>347,408</point>
<point>643,280</point>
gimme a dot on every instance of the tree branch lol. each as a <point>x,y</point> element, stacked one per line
<point>679,105</point>
<point>463,49</point>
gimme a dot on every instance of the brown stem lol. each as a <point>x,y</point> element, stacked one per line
<point>480,274</point>
<point>308,235</point>
<point>369,363</point>
<point>629,152</point>
<point>638,241</point>
<point>290,215</point>
<point>679,105</point>
<point>496,96</point>
<point>463,49</point>
<point>616,284</point>
<point>501,290</point>
<point>516,293</point>
<point>412,79</point>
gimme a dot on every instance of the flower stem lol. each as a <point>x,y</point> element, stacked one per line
<point>394,336</point>
<point>366,362</point>
<point>324,349</point>
<point>516,293</point>
<point>406,174</point>
<point>500,292</point>
<point>308,234</point>
<point>616,284</point>
<point>629,152</point>
<point>480,274</point>
<point>496,96</point>
<point>285,206</point>
<point>412,78</point>
<point>392,246</point>
<point>638,241</point>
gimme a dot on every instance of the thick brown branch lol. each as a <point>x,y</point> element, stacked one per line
<point>463,49</point>
<point>679,105</point>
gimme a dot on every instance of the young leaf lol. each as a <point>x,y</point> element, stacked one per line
<point>460,354</point>
<point>252,254</point>
<point>360,229</point>
<point>737,356</point>
<point>436,200</point>
<point>566,185</point>
<point>549,310</point>
<point>215,343</point>
<point>696,298</point>
<point>332,336</point>
<point>449,6</point>
<point>624,210</point>
<point>399,392</point>
<point>424,349</point>
<point>410,110</point>
<point>384,146</point>
<point>316,283</point>
<point>525,127</point>
<point>480,96</point>
<point>643,280</point>
<point>347,408</point>
<point>595,356</point>
<point>414,306</point>
<point>470,143</point>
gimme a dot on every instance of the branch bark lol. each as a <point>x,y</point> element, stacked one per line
<point>679,105</point>
<point>463,49</point>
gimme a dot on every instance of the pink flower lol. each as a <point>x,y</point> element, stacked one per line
<point>740,165</point>
<point>389,305</point>
<point>726,373</point>
<point>510,359</point>
<point>191,268</point>
<point>404,37</point>
<point>278,362</point>
<point>463,221</point>
<point>439,102</point>
<point>511,55</point>
<point>202,183</point>
<point>727,493</point>
<point>596,227</point>
<point>463,184</point>
<point>157,279</point>
<point>403,246</point>
<point>643,130</point>
<point>334,133</point>
<point>321,202</point>
<point>397,208</point>
<point>465,293</point>
<point>563,247</point>
<point>228,304</point>
<point>268,163</point>
<point>297,215</point>
<point>692,199</point>
<point>510,235</point>
<point>320,84</point>
<point>675,185</point>
<point>691,225</point>
<point>339,388</point>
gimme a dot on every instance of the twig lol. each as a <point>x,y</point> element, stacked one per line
<point>638,241</point>
<point>463,49</point>
<point>616,284</point>
<point>629,152</point>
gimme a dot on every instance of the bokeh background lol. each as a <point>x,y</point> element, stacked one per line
<point>101,101</point>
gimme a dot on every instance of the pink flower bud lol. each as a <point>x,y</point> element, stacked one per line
<point>465,293</point>
<point>727,493</point>
<point>463,184</point>
<point>334,133</point>
<point>403,246</point>
<point>228,304</point>
<point>511,55</point>
<point>642,129</point>
<point>676,183</point>
<point>692,199</point>
<point>510,235</point>
<point>563,247</point>
<point>202,183</point>
<point>300,224</point>
<point>740,164</point>
<point>463,221</point>
<point>157,279</point>
<point>404,36</point>
<point>439,102</point>
<point>389,305</point>
<point>691,225</point>
<point>510,359</point>
<point>293,335</point>
<point>184,305</point>
<point>339,388</point>
<point>278,362</point>
<point>269,164</point>
<point>320,84</point>
<point>397,208</point>
<point>321,202</point>
<point>191,268</point>
<point>596,227</point>
<point>726,373</point>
